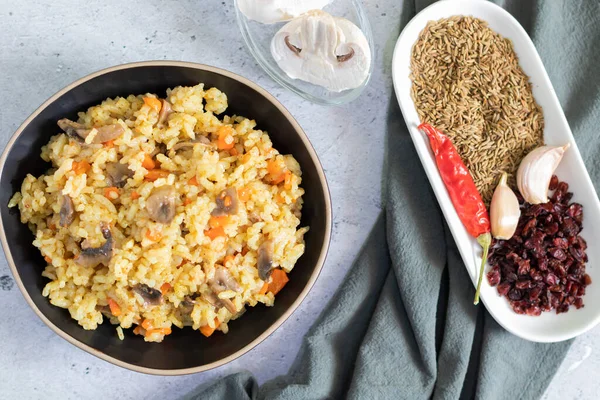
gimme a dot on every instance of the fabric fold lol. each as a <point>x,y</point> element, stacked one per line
<point>403,324</point>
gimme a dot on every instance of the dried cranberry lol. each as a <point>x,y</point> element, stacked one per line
<point>555,288</point>
<point>515,294</point>
<point>553,182</point>
<point>561,243</point>
<point>576,269</point>
<point>575,211</point>
<point>560,271</point>
<point>494,276</point>
<point>542,263</point>
<point>523,284</point>
<point>535,275</point>
<point>551,228</point>
<point>551,279</point>
<point>533,311</point>
<point>563,308</point>
<point>569,300</point>
<point>542,267</point>
<point>528,228</point>
<point>569,227</point>
<point>587,280</point>
<point>503,288</point>
<point>523,267</point>
<point>535,293</point>
<point>557,253</point>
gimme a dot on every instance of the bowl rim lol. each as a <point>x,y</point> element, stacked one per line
<point>320,261</point>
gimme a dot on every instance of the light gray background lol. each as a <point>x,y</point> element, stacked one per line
<point>45,45</point>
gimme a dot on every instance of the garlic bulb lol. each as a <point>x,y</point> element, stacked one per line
<point>535,172</point>
<point>504,211</point>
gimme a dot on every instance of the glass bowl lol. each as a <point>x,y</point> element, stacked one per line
<point>258,39</point>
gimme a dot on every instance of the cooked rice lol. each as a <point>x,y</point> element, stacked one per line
<point>147,252</point>
<point>467,82</point>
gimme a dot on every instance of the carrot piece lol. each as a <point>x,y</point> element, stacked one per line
<point>138,330</point>
<point>193,181</point>
<point>276,172</point>
<point>187,201</point>
<point>109,144</point>
<point>164,331</point>
<point>52,226</point>
<point>244,194</point>
<point>215,232</point>
<point>165,288</point>
<point>114,307</point>
<point>227,259</point>
<point>81,167</point>
<point>264,288</point>
<point>147,324</point>
<point>233,151</point>
<point>279,198</point>
<point>154,174</point>
<point>225,140</point>
<point>278,280</point>
<point>148,162</point>
<point>48,259</point>
<point>207,330</point>
<point>111,193</point>
<point>246,157</point>
<point>215,222</point>
<point>135,195</point>
<point>154,236</point>
<point>245,250</point>
<point>153,103</point>
<point>274,168</point>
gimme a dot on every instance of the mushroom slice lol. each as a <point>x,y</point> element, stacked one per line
<point>118,174</point>
<point>188,303</point>
<point>150,295</point>
<point>227,203</point>
<point>324,50</point>
<point>265,259</point>
<point>218,303</point>
<point>271,11</point>
<point>67,211</point>
<point>200,139</point>
<point>223,280</point>
<point>161,204</point>
<point>92,256</point>
<point>80,132</point>
<point>164,113</point>
<point>159,148</point>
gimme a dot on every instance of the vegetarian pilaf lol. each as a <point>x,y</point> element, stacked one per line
<point>157,214</point>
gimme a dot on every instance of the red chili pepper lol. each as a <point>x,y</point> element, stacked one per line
<point>462,190</point>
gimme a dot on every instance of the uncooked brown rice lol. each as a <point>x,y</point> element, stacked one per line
<point>467,82</point>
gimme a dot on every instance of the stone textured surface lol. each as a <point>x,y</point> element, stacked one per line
<point>45,45</point>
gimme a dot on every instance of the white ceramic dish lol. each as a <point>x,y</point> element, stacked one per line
<point>549,327</point>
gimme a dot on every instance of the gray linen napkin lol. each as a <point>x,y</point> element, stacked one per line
<point>403,324</point>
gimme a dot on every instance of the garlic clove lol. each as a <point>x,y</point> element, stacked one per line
<point>323,50</point>
<point>504,211</point>
<point>536,170</point>
<point>272,11</point>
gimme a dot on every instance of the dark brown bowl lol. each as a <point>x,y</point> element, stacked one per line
<point>185,350</point>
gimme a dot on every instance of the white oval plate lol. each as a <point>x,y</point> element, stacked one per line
<point>549,327</point>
